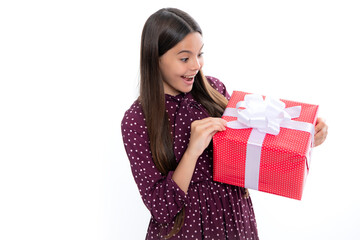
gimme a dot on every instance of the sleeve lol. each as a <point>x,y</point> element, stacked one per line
<point>219,86</point>
<point>161,195</point>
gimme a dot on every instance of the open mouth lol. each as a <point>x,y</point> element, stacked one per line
<point>188,78</point>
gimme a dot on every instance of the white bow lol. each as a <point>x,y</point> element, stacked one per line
<point>265,115</point>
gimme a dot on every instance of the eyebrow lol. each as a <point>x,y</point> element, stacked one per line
<point>187,51</point>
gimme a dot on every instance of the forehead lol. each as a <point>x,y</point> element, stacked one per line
<point>191,43</point>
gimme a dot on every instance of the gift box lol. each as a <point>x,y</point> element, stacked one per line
<point>266,145</point>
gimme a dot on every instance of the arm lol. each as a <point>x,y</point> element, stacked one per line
<point>160,194</point>
<point>202,132</point>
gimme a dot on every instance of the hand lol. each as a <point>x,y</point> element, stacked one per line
<point>202,132</point>
<point>321,131</point>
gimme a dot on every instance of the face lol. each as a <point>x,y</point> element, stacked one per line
<point>180,64</point>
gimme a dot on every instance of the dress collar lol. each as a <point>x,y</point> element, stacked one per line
<point>180,97</point>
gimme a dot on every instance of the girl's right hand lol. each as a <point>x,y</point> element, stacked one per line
<point>202,132</point>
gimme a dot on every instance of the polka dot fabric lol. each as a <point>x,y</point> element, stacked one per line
<point>213,210</point>
<point>284,162</point>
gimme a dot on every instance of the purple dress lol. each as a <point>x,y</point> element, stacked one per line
<point>213,210</point>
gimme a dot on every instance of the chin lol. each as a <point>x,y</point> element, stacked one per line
<point>187,89</point>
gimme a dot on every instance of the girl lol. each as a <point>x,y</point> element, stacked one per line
<point>167,135</point>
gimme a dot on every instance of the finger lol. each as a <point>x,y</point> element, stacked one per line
<point>320,124</point>
<point>205,123</point>
<point>211,126</point>
<point>318,127</point>
<point>211,119</point>
<point>320,137</point>
<point>320,119</point>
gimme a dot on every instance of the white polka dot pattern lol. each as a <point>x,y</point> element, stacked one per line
<point>212,210</point>
<point>284,157</point>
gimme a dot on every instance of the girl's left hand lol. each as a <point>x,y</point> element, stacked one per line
<point>321,131</point>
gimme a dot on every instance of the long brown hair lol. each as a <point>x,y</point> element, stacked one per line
<point>162,31</point>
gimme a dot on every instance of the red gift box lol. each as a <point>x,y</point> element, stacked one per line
<point>263,150</point>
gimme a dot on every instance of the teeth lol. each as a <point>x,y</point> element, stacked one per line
<point>189,77</point>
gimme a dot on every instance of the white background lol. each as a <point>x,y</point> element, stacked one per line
<point>70,69</point>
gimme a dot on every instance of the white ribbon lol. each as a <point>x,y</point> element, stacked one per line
<point>264,117</point>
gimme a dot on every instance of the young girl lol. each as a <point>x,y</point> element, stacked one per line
<point>167,135</point>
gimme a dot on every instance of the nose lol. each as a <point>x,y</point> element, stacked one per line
<point>196,64</point>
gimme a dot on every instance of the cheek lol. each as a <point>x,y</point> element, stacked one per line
<point>178,69</point>
<point>171,66</point>
<point>167,70</point>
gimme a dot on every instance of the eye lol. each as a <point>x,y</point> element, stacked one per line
<point>201,54</point>
<point>184,59</point>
